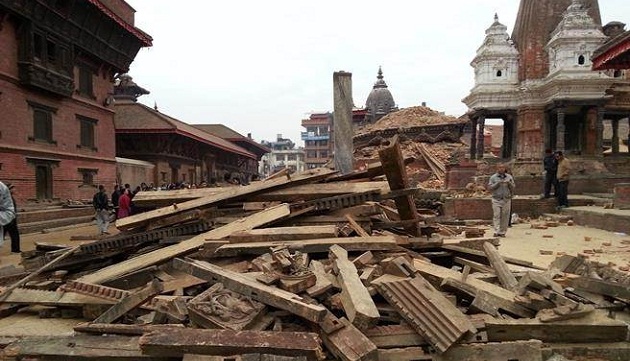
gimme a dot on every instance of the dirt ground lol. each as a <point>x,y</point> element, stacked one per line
<point>522,242</point>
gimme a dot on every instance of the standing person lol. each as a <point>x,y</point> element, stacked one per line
<point>124,205</point>
<point>550,164</point>
<point>115,197</point>
<point>12,227</point>
<point>7,210</point>
<point>564,170</point>
<point>101,206</point>
<point>501,184</point>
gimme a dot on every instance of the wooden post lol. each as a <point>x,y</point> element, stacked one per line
<point>506,277</point>
<point>394,167</point>
<point>343,131</point>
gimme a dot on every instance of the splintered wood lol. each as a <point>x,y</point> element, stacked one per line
<point>313,266</point>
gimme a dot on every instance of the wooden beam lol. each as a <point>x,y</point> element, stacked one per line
<point>178,341</point>
<point>601,287</point>
<point>231,193</point>
<point>376,243</point>
<point>130,302</point>
<point>506,277</point>
<point>251,288</point>
<point>394,168</point>
<point>79,348</point>
<point>167,253</point>
<point>284,234</point>
<point>357,228</point>
<point>591,328</point>
<point>355,298</point>
<point>347,343</point>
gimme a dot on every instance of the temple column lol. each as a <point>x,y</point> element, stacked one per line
<point>628,135</point>
<point>599,129</point>
<point>615,136</point>
<point>505,148</point>
<point>560,130</point>
<point>473,138</point>
<point>480,137</point>
<point>514,134</point>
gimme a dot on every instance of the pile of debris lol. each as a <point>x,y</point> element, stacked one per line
<point>408,118</point>
<point>312,266</point>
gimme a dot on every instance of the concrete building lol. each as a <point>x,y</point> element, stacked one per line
<point>318,139</point>
<point>540,82</point>
<point>58,60</point>
<point>283,154</point>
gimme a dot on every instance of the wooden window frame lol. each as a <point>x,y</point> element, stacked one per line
<point>85,121</point>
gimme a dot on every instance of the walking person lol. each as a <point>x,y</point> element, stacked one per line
<point>550,164</point>
<point>502,185</point>
<point>101,206</point>
<point>124,205</point>
<point>12,227</point>
<point>7,209</point>
<point>564,170</point>
<point>115,197</point>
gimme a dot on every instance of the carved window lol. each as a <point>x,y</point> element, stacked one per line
<point>42,123</point>
<point>499,73</point>
<point>291,157</point>
<point>87,176</point>
<point>86,85</point>
<point>88,131</point>
<point>48,51</point>
<point>323,154</point>
<point>617,73</point>
<point>581,60</point>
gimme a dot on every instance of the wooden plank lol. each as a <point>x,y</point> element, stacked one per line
<point>530,350</point>
<point>594,327</point>
<point>357,228</point>
<point>376,243</point>
<point>355,298</point>
<point>395,336</point>
<point>130,302</point>
<point>474,265</point>
<point>119,329</point>
<point>601,287</point>
<point>295,193</point>
<point>178,341</point>
<point>347,343</point>
<point>506,277</point>
<point>79,348</point>
<point>394,168</point>
<point>482,255</point>
<point>51,298</point>
<point>284,234</point>
<point>7,290</point>
<point>437,274</point>
<point>167,253</point>
<point>246,286</point>
<point>232,193</point>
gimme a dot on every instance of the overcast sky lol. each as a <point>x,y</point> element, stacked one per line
<point>261,66</point>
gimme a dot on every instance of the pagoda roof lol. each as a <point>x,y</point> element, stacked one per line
<point>136,118</point>
<point>614,54</point>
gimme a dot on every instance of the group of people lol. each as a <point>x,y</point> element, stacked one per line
<point>8,217</point>
<point>121,204</point>
<point>501,185</point>
<point>557,170</point>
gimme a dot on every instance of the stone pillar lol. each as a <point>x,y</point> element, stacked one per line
<point>473,138</point>
<point>628,136</point>
<point>599,129</point>
<point>480,137</point>
<point>560,130</point>
<point>505,146</point>
<point>343,131</point>
<point>615,136</point>
<point>514,134</point>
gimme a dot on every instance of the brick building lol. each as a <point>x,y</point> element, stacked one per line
<point>180,152</point>
<point>318,139</point>
<point>540,83</point>
<point>58,60</point>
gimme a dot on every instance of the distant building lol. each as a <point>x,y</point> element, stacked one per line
<point>318,139</point>
<point>283,155</point>
<point>58,60</point>
<point>179,151</point>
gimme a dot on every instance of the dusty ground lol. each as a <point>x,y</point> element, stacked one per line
<point>522,242</point>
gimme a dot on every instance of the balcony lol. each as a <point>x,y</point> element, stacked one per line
<point>313,136</point>
<point>38,76</point>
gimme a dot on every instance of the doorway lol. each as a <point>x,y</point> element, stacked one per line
<point>43,182</point>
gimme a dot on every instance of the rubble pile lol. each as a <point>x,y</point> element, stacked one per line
<point>310,266</point>
<point>410,117</point>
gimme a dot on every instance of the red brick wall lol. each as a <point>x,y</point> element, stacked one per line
<point>530,133</point>
<point>16,126</point>
<point>481,208</point>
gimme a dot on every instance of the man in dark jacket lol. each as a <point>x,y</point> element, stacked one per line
<point>101,206</point>
<point>551,167</point>
<point>115,197</point>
